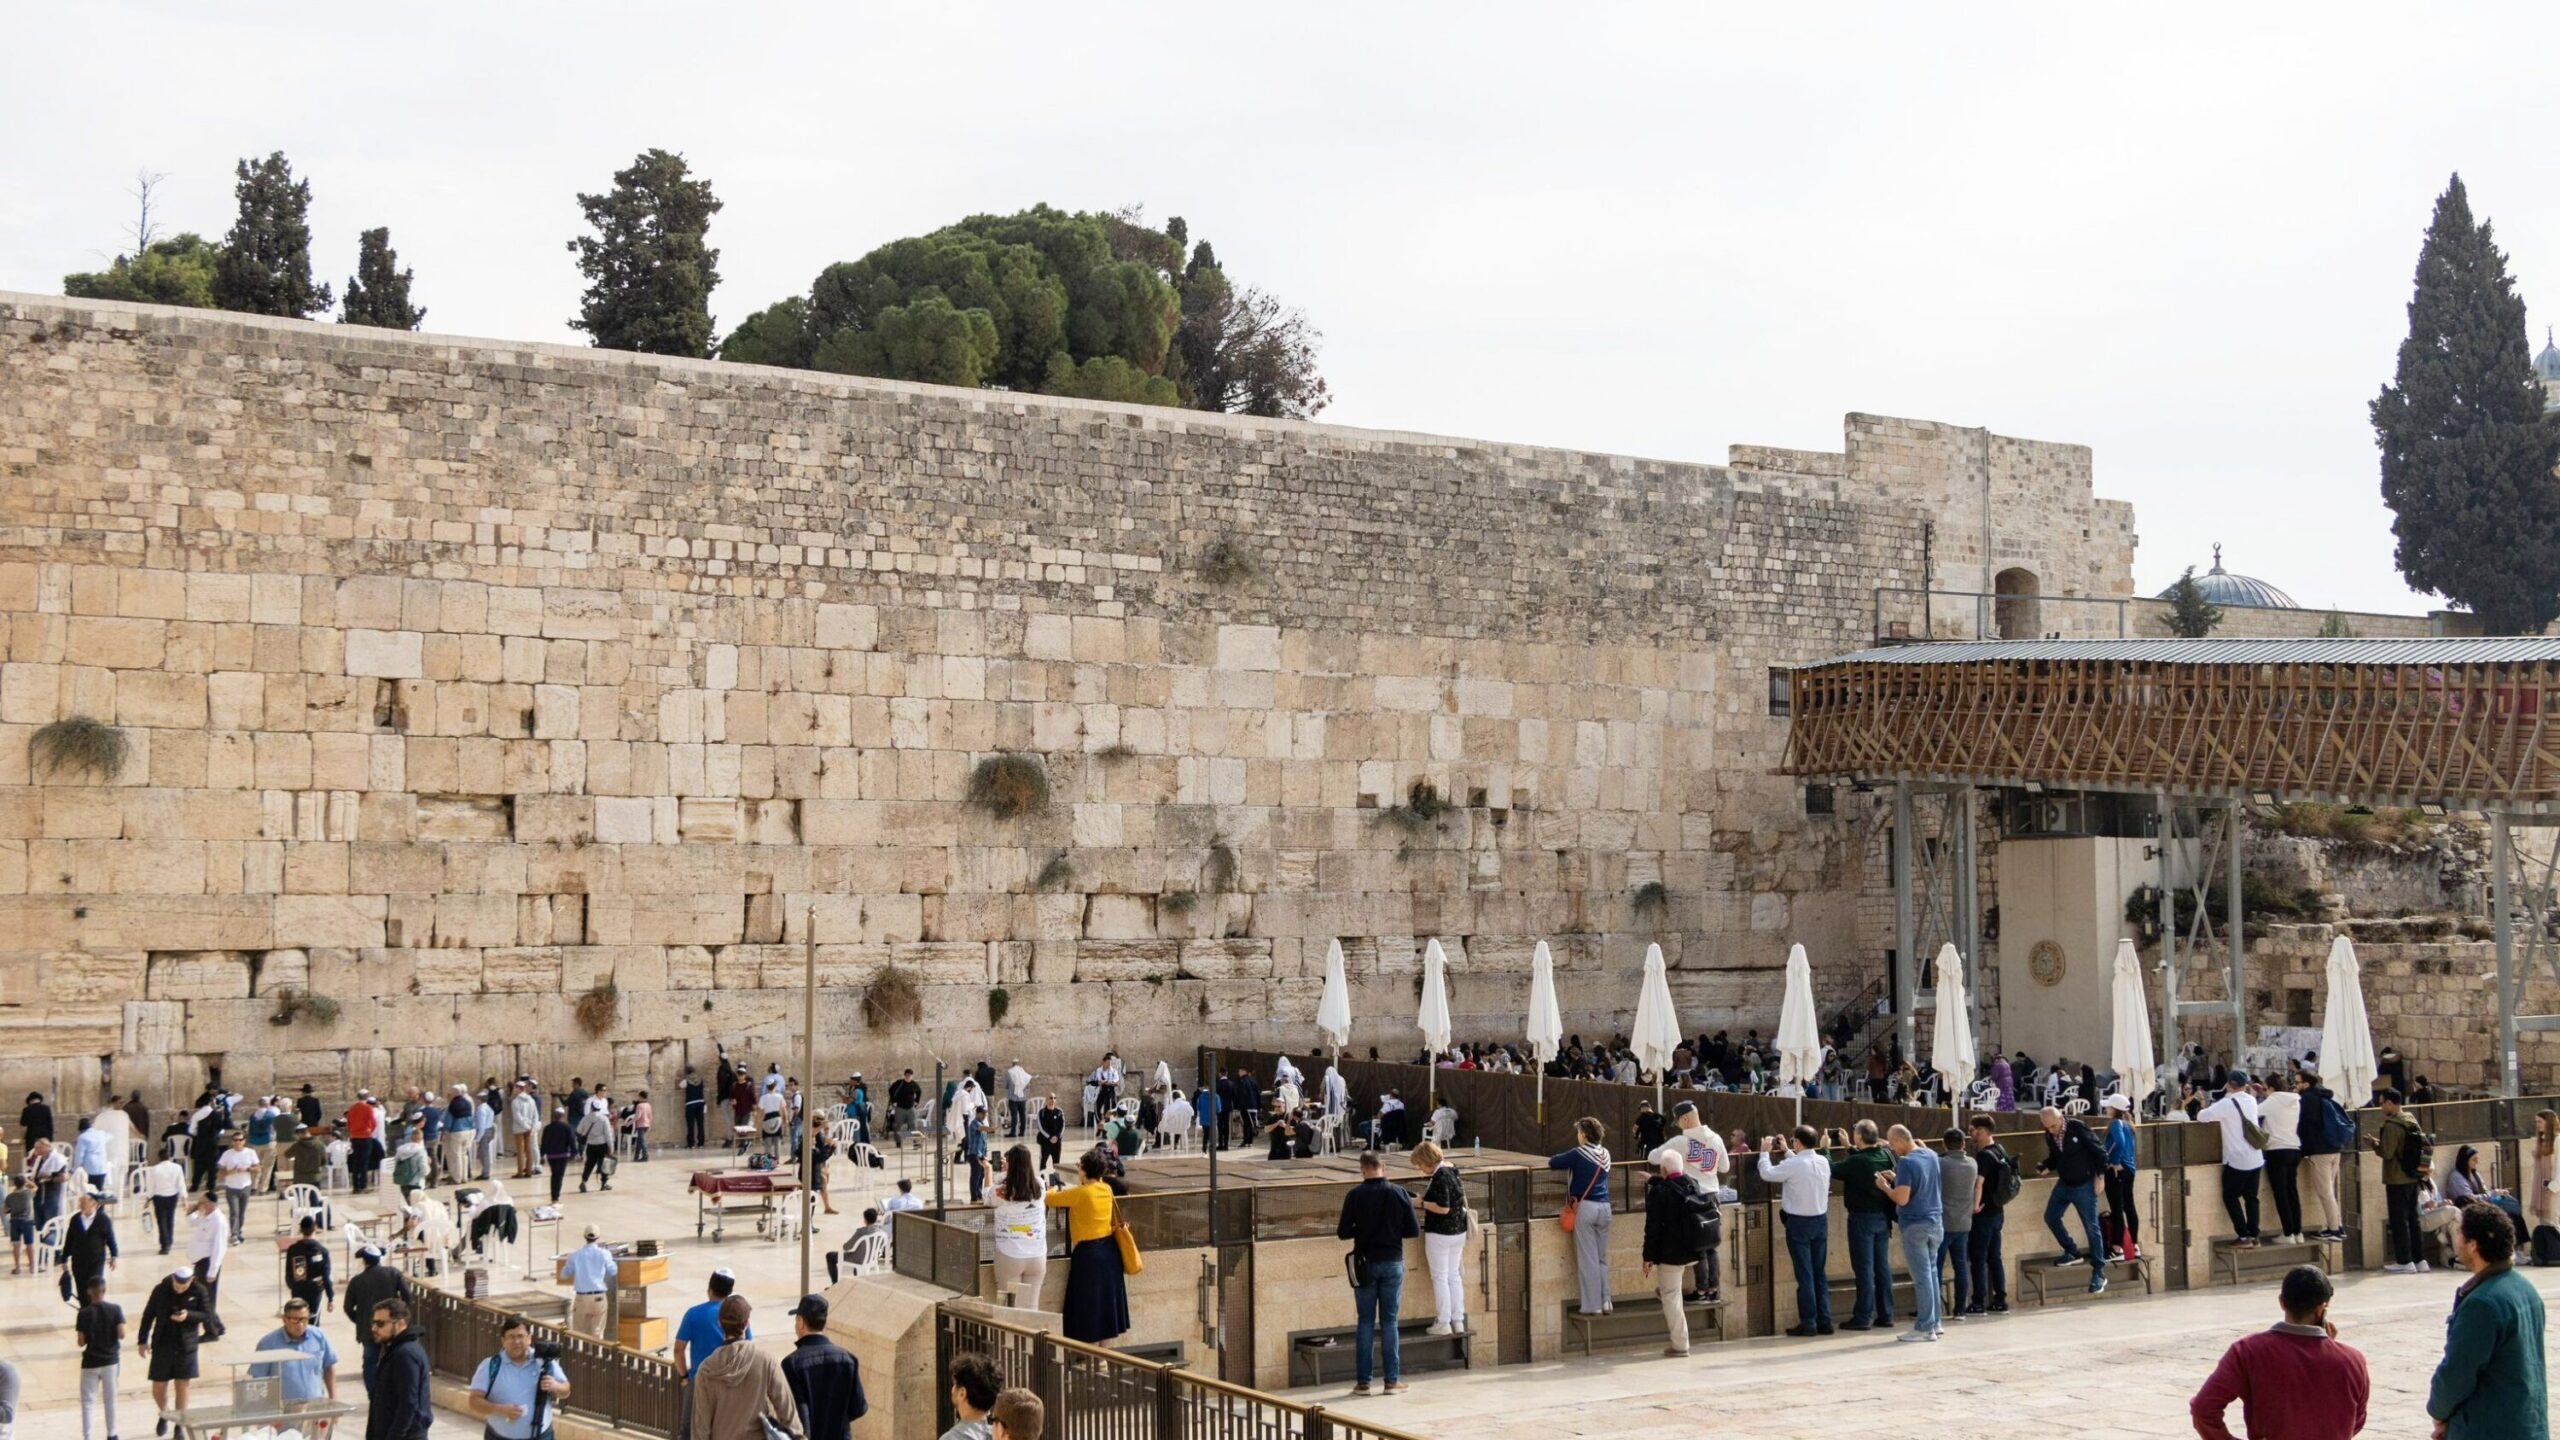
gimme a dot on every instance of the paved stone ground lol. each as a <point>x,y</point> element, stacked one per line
<point>2115,1369</point>
<point>2112,1370</point>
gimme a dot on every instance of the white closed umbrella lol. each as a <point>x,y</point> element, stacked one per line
<point>2347,1063</point>
<point>1951,1034</point>
<point>1434,1018</point>
<point>1657,1032</point>
<point>2137,1070</point>
<point>1333,1012</point>
<point>1546,1020</point>
<point>1799,1032</point>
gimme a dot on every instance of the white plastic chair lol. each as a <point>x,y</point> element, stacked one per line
<point>338,1176</point>
<point>179,1145</point>
<point>49,1242</point>
<point>300,1202</point>
<point>868,1254</point>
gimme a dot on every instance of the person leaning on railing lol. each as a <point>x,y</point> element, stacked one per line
<point>1097,1306</point>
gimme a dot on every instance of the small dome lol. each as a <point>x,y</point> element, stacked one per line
<point>2546,366</point>
<point>2221,587</point>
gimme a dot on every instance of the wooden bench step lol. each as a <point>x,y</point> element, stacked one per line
<point>2040,1274</point>
<point>2235,1259</point>
<point>1638,1318</point>
<point>1323,1356</point>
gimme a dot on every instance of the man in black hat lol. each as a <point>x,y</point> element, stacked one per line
<point>825,1379</point>
<point>374,1283</point>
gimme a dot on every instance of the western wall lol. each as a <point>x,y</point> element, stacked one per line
<point>532,706</point>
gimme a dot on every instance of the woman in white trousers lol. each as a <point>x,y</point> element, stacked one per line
<point>1021,1231</point>
<point>1444,1238</point>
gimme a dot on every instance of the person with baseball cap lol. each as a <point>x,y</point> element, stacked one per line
<point>2244,1157</point>
<point>591,1269</point>
<point>825,1379</point>
<point>2127,1241</point>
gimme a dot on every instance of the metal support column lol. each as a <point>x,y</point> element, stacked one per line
<point>2502,875</point>
<point>1968,907</point>
<point>2231,923</point>
<point>2170,1045</point>
<point>1906,984</point>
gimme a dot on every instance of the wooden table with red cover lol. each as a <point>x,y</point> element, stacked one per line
<point>712,1189</point>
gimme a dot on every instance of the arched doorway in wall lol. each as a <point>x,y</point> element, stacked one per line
<point>2015,611</point>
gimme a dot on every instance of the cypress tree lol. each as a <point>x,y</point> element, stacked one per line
<point>2466,451</point>
<point>265,267</point>
<point>649,274</point>
<point>378,293</point>
<point>2191,616</point>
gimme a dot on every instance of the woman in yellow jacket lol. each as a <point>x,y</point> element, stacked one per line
<point>1097,1308</point>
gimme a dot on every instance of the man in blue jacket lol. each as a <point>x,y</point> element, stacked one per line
<point>2490,1382</point>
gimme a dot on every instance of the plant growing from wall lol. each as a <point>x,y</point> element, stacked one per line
<point>81,745</point>
<point>1218,872</point>
<point>597,1007</point>
<point>1226,562</point>
<point>1009,785</point>
<point>1423,807</point>
<point>1058,874</point>
<point>1179,902</point>
<point>292,1005</point>
<point>999,1004</point>
<point>1651,899</point>
<point>892,998</point>
<point>1113,752</point>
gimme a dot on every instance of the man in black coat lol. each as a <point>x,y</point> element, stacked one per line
<point>825,1379</point>
<point>35,1120</point>
<point>399,1407</point>
<point>370,1287</point>
<point>88,1248</point>
<point>173,1324</point>
<point>1050,1124</point>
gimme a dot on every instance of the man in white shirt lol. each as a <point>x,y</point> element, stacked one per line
<point>1703,1154</point>
<point>208,1241</point>
<point>166,1184</point>
<point>1804,1201</point>
<point>2242,1162</point>
<point>906,1198</point>
<point>1017,1100</point>
<point>237,1169</point>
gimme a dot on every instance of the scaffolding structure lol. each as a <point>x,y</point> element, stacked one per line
<point>2204,727</point>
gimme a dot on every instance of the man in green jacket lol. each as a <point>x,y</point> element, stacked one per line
<point>2402,1147</point>
<point>2490,1381</point>
<point>1870,1228</point>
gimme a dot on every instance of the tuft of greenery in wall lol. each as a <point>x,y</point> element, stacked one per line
<point>1179,902</point>
<point>1423,807</point>
<point>1651,899</point>
<point>999,1004</point>
<point>1059,873</point>
<point>81,745</point>
<point>1226,562</point>
<point>1218,873</point>
<point>892,998</point>
<point>597,1007</point>
<point>1009,785</point>
<point>292,1005</point>
<point>1114,751</point>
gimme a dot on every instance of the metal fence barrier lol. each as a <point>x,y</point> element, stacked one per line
<point>624,1388</point>
<point>1096,1394</point>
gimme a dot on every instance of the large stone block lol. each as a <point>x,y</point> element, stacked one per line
<point>198,975</point>
<point>308,921</point>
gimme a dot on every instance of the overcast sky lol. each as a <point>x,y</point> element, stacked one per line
<point>2184,238</point>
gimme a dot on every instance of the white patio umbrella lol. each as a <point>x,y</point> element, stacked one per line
<point>1799,1032</point>
<point>1657,1032</point>
<point>2347,1063</point>
<point>1546,1020</point>
<point>1434,1018</point>
<point>1951,1034</point>
<point>1333,1012</point>
<point>2137,1071</point>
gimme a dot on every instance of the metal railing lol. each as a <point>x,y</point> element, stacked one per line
<point>624,1388</point>
<point>1092,1393</point>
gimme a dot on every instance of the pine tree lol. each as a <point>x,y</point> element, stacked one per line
<point>2191,616</point>
<point>649,274</point>
<point>266,260</point>
<point>2466,453</point>
<point>378,293</point>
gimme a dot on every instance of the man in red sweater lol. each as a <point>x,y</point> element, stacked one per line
<point>2293,1382</point>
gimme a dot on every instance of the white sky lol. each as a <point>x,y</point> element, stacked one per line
<point>2183,236</point>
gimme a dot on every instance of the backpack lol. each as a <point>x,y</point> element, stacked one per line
<point>2546,1245</point>
<point>2337,1128</point>
<point>2417,1150</point>
<point>2006,1184</point>
<point>1704,1219</point>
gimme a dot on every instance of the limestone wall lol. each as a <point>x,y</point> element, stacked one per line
<point>465,678</point>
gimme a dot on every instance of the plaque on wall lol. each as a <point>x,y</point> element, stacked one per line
<point>2045,962</point>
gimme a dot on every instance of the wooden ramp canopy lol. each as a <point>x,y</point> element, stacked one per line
<point>2453,722</point>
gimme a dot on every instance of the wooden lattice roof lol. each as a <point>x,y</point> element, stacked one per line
<point>2459,722</point>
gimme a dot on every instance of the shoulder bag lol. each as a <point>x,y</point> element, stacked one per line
<point>1564,1217</point>
<point>1131,1262</point>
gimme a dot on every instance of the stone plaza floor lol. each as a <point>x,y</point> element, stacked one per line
<point>2110,1370</point>
<point>2113,1369</point>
